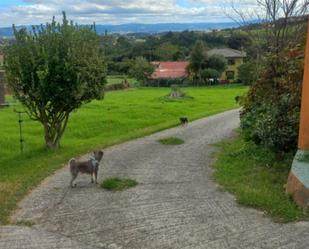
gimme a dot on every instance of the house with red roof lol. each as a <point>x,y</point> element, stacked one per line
<point>178,69</point>
<point>170,69</point>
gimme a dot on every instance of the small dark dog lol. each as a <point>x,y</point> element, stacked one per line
<point>237,99</point>
<point>86,167</point>
<point>184,121</point>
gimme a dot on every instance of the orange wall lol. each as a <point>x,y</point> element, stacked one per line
<point>304,119</point>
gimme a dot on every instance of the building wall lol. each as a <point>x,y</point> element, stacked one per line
<point>232,68</point>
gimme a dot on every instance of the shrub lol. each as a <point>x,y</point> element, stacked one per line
<point>271,109</point>
<point>210,73</point>
<point>118,86</point>
<point>217,62</point>
<point>273,124</point>
<point>248,73</point>
<point>167,82</point>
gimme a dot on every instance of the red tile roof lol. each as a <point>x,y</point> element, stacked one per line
<point>170,69</point>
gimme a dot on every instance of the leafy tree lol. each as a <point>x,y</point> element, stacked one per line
<point>248,72</point>
<point>214,39</point>
<point>125,65</point>
<point>210,73</point>
<point>53,70</point>
<point>187,38</point>
<point>123,42</point>
<point>198,59</point>
<point>141,69</point>
<point>166,52</point>
<point>217,62</point>
<point>238,41</point>
<point>181,54</point>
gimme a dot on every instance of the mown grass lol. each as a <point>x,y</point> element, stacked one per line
<point>122,116</point>
<point>257,180</point>
<point>117,184</point>
<point>171,141</point>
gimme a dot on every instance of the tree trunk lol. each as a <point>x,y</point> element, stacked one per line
<point>53,133</point>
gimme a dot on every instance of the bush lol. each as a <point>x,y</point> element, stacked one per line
<point>118,86</point>
<point>273,124</point>
<point>271,109</point>
<point>210,73</point>
<point>217,62</point>
<point>167,82</point>
<point>248,73</point>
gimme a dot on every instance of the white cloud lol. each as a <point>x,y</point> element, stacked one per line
<point>118,11</point>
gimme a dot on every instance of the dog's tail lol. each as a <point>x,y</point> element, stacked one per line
<point>72,163</point>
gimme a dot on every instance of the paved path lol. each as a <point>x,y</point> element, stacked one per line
<point>177,204</point>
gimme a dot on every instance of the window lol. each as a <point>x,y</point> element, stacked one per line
<point>231,61</point>
<point>230,75</point>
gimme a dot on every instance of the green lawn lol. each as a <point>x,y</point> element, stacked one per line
<point>116,79</point>
<point>123,115</point>
<point>257,179</point>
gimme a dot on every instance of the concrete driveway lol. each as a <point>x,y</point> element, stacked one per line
<point>176,205</point>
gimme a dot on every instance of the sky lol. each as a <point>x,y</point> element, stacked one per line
<point>25,12</point>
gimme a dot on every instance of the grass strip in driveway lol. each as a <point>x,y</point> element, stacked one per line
<point>117,184</point>
<point>171,141</point>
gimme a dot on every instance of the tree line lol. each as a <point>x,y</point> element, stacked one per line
<point>122,50</point>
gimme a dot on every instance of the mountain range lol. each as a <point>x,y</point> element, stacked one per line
<point>145,28</point>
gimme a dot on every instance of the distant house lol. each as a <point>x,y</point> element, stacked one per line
<point>234,58</point>
<point>170,69</point>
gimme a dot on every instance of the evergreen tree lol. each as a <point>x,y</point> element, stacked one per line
<point>198,60</point>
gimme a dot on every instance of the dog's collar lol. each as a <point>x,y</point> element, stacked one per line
<point>94,161</point>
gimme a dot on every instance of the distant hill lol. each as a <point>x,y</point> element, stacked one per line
<point>147,28</point>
